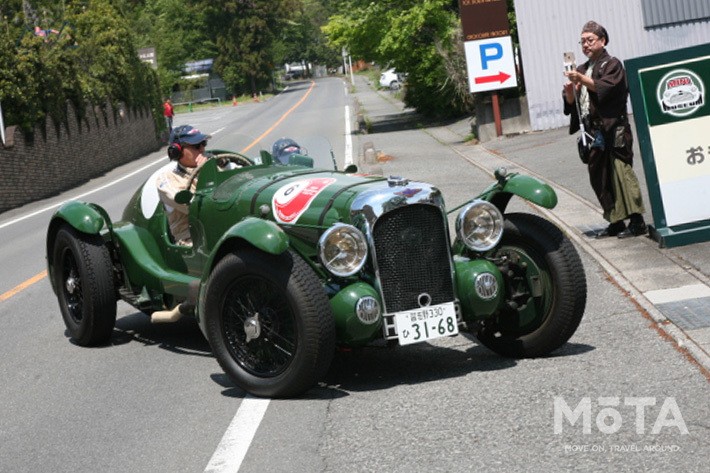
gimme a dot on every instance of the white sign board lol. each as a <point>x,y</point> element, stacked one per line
<point>490,64</point>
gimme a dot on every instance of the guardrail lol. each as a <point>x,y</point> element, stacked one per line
<point>198,101</point>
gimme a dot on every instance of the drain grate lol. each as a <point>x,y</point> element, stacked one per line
<point>688,314</point>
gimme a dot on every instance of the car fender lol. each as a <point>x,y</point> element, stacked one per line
<point>87,218</point>
<point>263,234</point>
<point>526,187</point>
<point>84,217</point>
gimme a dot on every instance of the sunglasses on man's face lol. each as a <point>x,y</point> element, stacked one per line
<point>200,145</point>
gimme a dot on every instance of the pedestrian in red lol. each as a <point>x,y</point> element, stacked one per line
<point>169,114</point>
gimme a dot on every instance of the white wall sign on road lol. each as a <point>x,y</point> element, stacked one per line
<point>490,64</point>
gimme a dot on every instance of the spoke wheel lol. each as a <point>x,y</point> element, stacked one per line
<point>259,327</point>
<point>269,323</point>
<point>83,279</point>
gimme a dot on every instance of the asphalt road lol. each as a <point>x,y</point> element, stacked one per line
<point>155,400</point>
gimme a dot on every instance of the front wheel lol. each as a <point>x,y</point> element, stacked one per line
<point>269,322</point>
<point>83,277</point>
<point>546,290</point>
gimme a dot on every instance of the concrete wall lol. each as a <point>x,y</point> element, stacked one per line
<point>60,158</point>
<point>513,113</point>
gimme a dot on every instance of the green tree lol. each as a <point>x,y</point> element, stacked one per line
<point>300,37</point>
<point>245,33</point>
<point>84,52</point>
<point>421,38</point>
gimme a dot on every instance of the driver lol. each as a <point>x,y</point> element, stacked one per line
<point>187,145</point>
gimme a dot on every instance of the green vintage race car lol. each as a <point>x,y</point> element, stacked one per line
<point>289,261</point>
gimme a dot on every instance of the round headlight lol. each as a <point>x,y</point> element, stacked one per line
<point>480,225</point>
<point>342,250</point>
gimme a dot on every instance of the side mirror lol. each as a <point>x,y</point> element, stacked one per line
<point>183,197</point>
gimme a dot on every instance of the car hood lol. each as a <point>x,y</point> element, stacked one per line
<point>311,197</point>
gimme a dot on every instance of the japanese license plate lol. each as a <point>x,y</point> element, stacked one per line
<point>425,323</point>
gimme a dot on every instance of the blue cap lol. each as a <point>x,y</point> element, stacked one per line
<point>188,134</point>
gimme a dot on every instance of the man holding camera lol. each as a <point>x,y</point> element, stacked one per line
<point>600,91</point>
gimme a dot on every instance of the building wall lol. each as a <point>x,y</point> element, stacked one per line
<point>548,28</point>
<point>59,158</point>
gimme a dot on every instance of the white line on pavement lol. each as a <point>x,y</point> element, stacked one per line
<point>236,440</point>
<point>348,138</point>
<point>54,206</point>
<point>676,294</point>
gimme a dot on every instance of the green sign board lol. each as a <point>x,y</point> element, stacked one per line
<point>669,94</point>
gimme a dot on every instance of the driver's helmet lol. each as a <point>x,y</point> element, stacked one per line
<point>284,148</point>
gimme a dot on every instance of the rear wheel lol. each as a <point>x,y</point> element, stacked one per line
<point>546,290</point>
<point>269,322</point>
<point>83,277</point>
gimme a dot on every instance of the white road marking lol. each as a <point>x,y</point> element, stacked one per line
<point>348,138</point>
<point>236,440</point>
<point>54,206</point>
<point>692,291</point>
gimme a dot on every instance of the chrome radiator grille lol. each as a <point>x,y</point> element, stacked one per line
<point>412,251</point>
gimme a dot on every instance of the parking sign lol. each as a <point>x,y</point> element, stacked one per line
<point>490,64</point>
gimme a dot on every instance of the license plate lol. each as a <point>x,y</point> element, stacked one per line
<point>425,323</point>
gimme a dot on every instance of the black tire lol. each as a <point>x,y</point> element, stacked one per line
<point>552,316</point>
<point>269,322</point>
<point>83,277</point>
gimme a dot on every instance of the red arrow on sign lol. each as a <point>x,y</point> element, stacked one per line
<point>500,77</point>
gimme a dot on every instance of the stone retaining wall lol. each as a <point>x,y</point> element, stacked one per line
<point>59,158</point>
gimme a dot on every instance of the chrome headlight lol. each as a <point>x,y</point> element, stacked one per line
<point>480,225</point>
<point>342,250</point>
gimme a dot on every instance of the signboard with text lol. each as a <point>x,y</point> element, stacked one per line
<point>484,19</point>
<point>669,94</point>
<point>490,60</point>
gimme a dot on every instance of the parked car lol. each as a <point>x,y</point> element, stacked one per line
<point>391,79</point>
<point>289,261</point>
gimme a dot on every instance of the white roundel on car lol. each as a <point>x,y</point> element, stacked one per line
<point>149,197</point>
<point>294,198</point>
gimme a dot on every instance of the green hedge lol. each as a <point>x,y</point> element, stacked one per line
<point>88,56</point>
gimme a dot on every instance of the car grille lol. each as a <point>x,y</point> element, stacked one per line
<point>412,248</point>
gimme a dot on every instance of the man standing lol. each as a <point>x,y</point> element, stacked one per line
<point>168,113</point>
<point>600,87</point>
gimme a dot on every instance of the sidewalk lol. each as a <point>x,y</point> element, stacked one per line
<point>671,286</point>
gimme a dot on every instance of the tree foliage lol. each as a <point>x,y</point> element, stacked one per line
<point>420,37</point>
<point>75,51</point>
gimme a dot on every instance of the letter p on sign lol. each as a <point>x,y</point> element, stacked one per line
<point>490,64</point>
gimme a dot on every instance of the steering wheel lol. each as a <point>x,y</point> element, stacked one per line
<point>238,159</point>
<point>222,160</point>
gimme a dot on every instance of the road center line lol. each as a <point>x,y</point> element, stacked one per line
<point>22,286</point>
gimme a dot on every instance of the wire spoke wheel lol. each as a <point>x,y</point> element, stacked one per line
<point>82,276</point>
<point>259,326</point>
<point>268,320</point>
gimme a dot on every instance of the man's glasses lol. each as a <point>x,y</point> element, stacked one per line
<point>588,41</point>
<point>199,145</point>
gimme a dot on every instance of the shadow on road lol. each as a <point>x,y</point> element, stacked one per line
<point>182,337</point>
